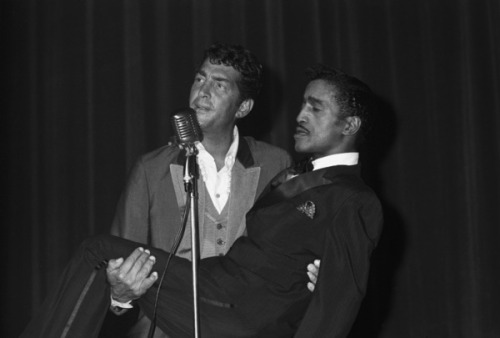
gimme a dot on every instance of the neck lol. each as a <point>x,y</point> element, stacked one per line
<point>218,145</point>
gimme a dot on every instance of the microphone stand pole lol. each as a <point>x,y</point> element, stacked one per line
<point>191,175</point>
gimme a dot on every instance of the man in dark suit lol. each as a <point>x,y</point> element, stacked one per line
<point>259,289</point>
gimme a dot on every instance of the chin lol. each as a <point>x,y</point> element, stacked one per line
<point>300,149</point>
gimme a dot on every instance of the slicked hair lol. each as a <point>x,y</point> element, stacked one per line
<point>244,61</point>
<point>354,97</point>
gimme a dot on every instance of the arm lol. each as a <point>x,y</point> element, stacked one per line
<point>345,261</point>
<point>132,212</point>
<point>129,279</point>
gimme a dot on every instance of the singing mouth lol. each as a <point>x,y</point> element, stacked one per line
<point>200,107</point>
<point>301,131</point>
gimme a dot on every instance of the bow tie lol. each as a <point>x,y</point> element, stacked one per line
<point>303,166</point>
<point>299,167</point>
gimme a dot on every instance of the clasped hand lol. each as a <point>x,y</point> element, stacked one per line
<point>131,278</point>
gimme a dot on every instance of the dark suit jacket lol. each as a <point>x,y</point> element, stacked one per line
<point>259,288</point>
<point>150,208</point>
<point>282,240</point>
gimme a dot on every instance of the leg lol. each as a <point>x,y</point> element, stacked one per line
<point>219,318</point>
<point>78,304</point>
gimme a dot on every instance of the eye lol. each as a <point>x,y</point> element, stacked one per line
<point>313,108</point>
<point>198,78</point>
<point>220,86</point>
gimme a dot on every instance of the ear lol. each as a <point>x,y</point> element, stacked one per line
<point>352,125</point>
<point>245,108</point>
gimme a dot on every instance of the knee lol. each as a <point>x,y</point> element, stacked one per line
<point>94,241</point>
<point>93,249</point>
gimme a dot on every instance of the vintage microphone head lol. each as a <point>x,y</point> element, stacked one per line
<point>186,127</point>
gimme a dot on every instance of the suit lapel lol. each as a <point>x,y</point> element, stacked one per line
<point>177,173</point>
<point>303,182</point>
<point>244,182</point>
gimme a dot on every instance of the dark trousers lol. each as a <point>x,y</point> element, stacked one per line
<point>78,305</point>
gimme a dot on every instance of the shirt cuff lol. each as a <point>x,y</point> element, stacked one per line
<point>125,305</point>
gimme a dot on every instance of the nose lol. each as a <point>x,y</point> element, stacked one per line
<point>204,89</point>
<point>301,117</point>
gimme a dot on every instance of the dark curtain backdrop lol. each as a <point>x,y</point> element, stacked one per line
<point>89,86</point>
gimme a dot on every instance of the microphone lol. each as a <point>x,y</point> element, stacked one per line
<point>186,127</point>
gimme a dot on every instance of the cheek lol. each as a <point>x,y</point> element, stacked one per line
<point>192,93</point>
<point>322,133</point>
<point>224,103</point>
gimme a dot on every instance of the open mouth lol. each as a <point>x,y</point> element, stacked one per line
<point>200,107</point>
<point>301,131</point>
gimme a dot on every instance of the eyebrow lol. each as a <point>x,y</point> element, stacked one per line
<point>313,100</point>
<point>215,77</point>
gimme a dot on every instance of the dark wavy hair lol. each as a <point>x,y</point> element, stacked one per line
<point>354,97</point>
<point>241,59</point>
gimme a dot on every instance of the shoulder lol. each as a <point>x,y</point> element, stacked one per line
<point>343,187</point>
<point>353,188</point>
<point>167,153</point>
<point>156,162</point>
<point>350,201</point>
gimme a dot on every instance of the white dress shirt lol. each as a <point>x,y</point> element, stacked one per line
<point>335,159</point>
<point>218,183</point>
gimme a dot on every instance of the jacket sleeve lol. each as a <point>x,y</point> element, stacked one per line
<point>131,219</point>
<point>344,269</point>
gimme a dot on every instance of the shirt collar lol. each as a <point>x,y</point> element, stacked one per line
<point>231,153</point>
<point>336,159</point>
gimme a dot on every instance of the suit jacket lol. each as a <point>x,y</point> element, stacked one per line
<point>259,288</point>
<point>151,207</point>
<point>328,214</point>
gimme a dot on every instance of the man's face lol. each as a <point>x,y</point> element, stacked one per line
<point>215,97</point>
<point>319,129</point>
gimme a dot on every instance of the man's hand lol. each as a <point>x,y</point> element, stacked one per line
<point>129,279</point>
<point>313,273</point>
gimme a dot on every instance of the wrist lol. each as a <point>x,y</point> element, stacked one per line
<point>123,305</point>
<point>119,308</point>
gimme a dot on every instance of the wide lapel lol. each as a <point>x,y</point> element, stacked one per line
<point>177,172</point>
<point>244,184</point>
<point>304,182</point>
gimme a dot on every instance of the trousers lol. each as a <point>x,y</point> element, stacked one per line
<point>79,303</point>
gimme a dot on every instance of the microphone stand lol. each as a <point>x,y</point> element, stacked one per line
<point>191,175</point>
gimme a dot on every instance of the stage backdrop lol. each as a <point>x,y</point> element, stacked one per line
<point>89,86</point>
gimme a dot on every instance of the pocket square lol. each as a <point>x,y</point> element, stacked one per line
<point>308,208</point>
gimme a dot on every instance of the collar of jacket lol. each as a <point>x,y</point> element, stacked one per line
<point>305,181</point>
<point>243,155</point>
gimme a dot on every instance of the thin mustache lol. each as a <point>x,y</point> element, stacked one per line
<point>300,127</point>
